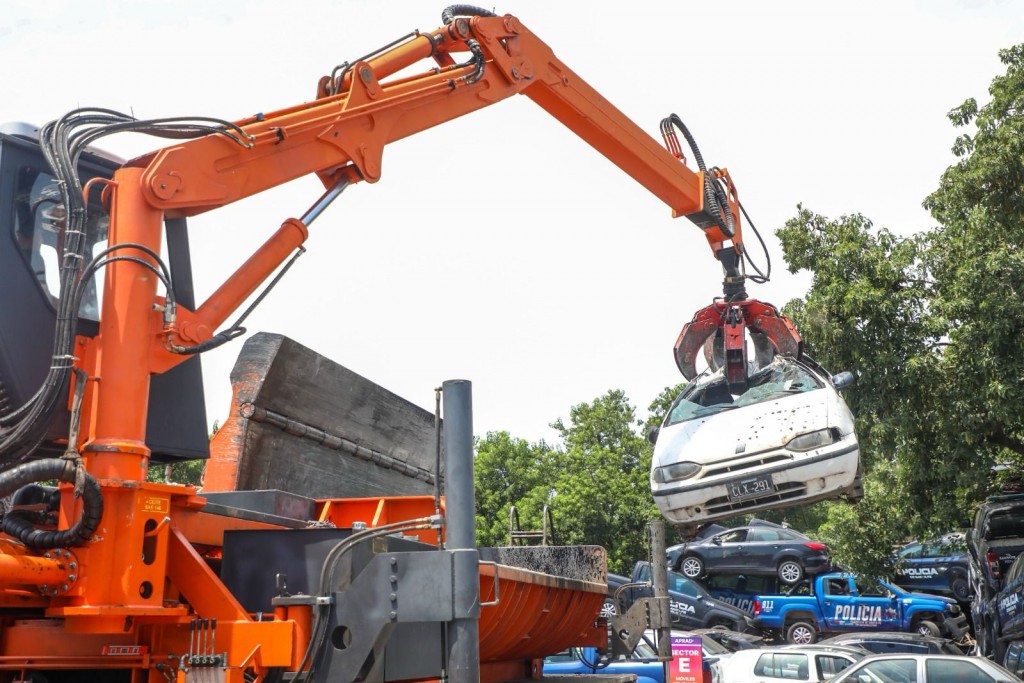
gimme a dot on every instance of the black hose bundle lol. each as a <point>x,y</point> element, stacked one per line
<point>716,201</point>
<point>63,141</point>
<point>64,470</point>
<point>451,11</point>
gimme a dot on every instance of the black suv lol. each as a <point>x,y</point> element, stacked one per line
<point>760,548</point>
<point>993,543</point>
<point>939,566</point>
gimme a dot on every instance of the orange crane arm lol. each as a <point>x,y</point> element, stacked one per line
<point>343,135</point>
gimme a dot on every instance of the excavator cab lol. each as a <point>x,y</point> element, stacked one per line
<point>31,249</point>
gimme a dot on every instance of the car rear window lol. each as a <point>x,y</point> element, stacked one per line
<point>1005,524</point>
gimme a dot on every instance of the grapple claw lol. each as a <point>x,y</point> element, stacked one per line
<point>692,337</point>
<point>719,329</point>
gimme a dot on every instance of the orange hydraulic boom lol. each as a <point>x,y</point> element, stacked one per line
<point>126,591</point>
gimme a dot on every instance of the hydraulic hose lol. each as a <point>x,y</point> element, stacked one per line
<point>451,11</point>
<point>715,201</point>
<point>47,470</point>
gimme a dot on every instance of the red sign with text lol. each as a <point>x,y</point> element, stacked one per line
<point>687,660</point>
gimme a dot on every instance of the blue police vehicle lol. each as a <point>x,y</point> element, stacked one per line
<point>939,566</point>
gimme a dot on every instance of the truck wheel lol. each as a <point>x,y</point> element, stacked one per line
<point>608,609</point>
<point>801,633</point>
<point>692,567</point>
<point>927,628</point>
<point>790,572</point>
<point>960,588</point>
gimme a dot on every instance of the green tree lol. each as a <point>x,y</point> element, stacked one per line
<point>978,261</point>
<point>180,472</point>
<point>510,471</point>
<point>596,482</point>
<point>932,327</point>
<point>603,494</point>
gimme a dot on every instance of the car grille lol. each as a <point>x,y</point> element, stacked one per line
<point>732,466</point>
<point>786,491</point>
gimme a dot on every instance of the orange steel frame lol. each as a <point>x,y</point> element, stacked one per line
<point>126,598</point>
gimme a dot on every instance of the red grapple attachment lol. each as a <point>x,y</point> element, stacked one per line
<point>719,330</point>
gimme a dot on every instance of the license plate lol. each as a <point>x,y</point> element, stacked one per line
<point>750,488</point>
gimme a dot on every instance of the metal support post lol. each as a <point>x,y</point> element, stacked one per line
<point>659,575</point>
<point>460,532</point>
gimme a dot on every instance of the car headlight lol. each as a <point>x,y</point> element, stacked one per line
<point>675,472</point>
<point>811,440</point>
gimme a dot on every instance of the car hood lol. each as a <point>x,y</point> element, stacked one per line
<point>928,596</point>
<point>747,429</point>
<point>726,607</point>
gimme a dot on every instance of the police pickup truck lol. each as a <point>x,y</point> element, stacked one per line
<point>847,602</point>
<point>689,603</point>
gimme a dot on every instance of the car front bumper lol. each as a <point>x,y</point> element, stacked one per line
<point>803,479</point>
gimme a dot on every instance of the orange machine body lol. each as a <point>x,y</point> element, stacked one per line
<point>142,590</point>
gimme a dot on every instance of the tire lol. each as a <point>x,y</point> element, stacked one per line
<point>790,572</point>
<point>960,588</point>
<point>927,628</point>
<point>801,633</point>
<point>608,609</point>
<point>692,567</point>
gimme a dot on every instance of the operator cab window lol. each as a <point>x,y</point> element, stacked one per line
<point>39,233</point>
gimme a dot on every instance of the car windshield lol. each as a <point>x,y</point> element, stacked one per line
<point>709,393</point>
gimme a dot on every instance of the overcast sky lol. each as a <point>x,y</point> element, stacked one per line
<point>501,248</point>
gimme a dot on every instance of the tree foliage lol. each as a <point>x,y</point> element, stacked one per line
<point>596,482</point>
<point>182,472</point>
<point>932,326</point>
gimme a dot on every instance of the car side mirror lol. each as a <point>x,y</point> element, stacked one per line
<point>843,379</point>
<point>717,540</point>
<point>652,435</point>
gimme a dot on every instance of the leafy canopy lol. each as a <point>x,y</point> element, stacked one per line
<point>932,325</point>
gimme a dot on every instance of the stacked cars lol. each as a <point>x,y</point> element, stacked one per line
<point>735,565</point>
<point>760,549</point>
<point>846,602</point>
<point>995,542</point>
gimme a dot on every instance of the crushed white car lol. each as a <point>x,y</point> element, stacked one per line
<point>787,440</point>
